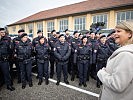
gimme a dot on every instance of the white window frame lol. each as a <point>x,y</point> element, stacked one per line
<point>78,23</point>
<point>124,12</point>
<point>39,26</point>
<point>50,25</point>
<point>100,15</point>
<point>63,24</point>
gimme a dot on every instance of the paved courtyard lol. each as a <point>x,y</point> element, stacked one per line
<point>52,91</point>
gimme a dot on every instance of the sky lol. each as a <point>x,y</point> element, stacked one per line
<point>15,10</point>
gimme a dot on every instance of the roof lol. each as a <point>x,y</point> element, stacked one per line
<point>85,6</point>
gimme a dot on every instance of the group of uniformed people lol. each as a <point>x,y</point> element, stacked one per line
<point>81,56</point>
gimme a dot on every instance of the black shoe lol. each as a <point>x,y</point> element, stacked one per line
<point>66,82</point>
<point>72,79</point>
<point>23,86</point>
<point>37,77</point>
<point>93,77</point>
<point>58,82</point>
<point>47,82</point>
<point>85,85</point>
<point>98,85</point>
<point>10,88</point>
<point>39,83</point>
<point>19,81</point>
<point>80,84</point>
<point>88,79</point>
<point>51,76</point>
<point>30,84</point>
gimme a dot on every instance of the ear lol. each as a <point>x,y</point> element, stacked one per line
<point>130,35</point>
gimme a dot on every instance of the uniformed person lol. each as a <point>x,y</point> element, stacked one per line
<point>84,56</point>
<point>52,40</point>
<point>34,43</point>
<point>102,56</point>
<point>23,52</point>
<point>36,39</point>
<point>111,42</point>
<point>94,45</point>
<point>42,55</point>
<point>5,50</point>
<point>16,40</point>
<point>74,44</point>
<point>62,52</point>
<point>68,39</point>
<point>80,36</point>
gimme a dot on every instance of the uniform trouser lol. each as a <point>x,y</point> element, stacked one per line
<point>18,70</point>
<point>4,66</point>
<point>1,78</point>
<point>100,65</point>
<point>11,69</point>
<point>69,66</point>
<point>59,68</point>
<point>83,69</point>
<point>93,70</point>
<point>25,70</point>
<point>43,70</point>
<point>74,70</point>
<point>52,62</point>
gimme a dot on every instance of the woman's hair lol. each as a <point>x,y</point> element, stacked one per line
<point>128,27</point>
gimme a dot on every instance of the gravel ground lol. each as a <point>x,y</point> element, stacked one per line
<point>49,92</point>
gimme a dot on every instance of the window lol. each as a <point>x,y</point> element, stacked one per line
<point>100,18</point>
<point>79,23</point>
<point>22,27</point>
<point>63,24</point>
<point>40,26</point>
<point>124,16</point>
<point>14,29</point>
<point>30,28</point>
<point>50,26</point>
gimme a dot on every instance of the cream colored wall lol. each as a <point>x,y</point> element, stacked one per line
<point>70,23</point>
<point>111,19</point>
<point>35,30</point>
<point>45,29</point>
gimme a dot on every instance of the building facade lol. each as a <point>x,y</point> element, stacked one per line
<point>77,16</point>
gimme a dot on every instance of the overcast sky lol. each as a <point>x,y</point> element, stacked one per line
<point>14,10</point>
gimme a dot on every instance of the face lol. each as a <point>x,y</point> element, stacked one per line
<point>103,40</point>
<point>67,32</point>
<point>2,33</point>
<point>121,36</point>
<point>42,40</point>
<point>54,33</point>
<point>85,40</point>
<point>25,38</point>
<point>62,39</point>
<point>80,36</point>
<point>20,33</point>
<point>97,35</point>
<point>76,35</point>
<point>92,35</point>
<point>39,34</point>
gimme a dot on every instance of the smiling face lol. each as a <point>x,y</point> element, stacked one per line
<point>42,40</point>
<point>122,36</point>
<point>62,39</point>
